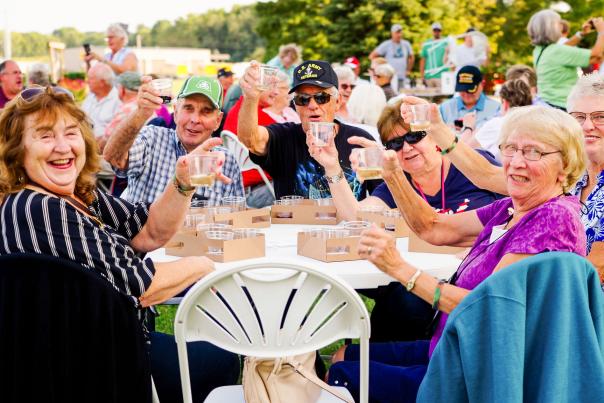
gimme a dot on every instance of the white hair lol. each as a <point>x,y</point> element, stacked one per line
<point>366,103</point>
<point>103,72</point>
<point>589,85</point>
<point>118,30</point>
<point>344,73</point>
<point>384,70</point>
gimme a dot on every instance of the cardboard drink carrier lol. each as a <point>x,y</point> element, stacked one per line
<point>416,244</point>
<point>401,229</point>
<point>250,218</point>
<point>196,243</point>
<point>306,212</point>
<point>330,249</point>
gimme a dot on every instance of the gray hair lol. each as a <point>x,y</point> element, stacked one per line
<point>384,70</point>
<point>39,74</point>
<point>103,72</point>
<point>282,77</point>
<point>590,85</point>
<point>118,30</point>
<point>543,28</point>
<point>344,73</point>
<point>366,103</point>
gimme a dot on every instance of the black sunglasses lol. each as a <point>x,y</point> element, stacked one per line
<point>32,92</point>
<point>411,138</point>
<point>304,99</point>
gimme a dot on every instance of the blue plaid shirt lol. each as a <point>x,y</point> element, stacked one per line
<point>152,161</point>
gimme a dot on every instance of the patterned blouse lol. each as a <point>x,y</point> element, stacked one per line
<point>592,214</point>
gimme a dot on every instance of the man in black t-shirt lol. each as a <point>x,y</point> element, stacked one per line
<point>282,149</point>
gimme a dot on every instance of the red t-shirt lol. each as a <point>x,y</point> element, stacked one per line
<point>251,177</point>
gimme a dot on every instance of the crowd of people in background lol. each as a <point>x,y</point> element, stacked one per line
<point>538,140</point>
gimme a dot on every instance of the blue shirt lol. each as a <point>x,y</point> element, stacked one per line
<point>592,215</point>
<point>454,109</point>
<point>460,193</point>
<point>152,161</point>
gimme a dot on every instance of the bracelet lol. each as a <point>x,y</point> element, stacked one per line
<point>467,128</point>
<point>451,147</point>
<point>183,190</point>
<point>437,291</point>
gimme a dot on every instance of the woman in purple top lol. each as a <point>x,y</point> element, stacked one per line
<point>542,155</point>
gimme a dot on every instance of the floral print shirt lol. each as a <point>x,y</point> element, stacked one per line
<point>592,214</point>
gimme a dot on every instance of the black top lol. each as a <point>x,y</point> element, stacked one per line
<point>460,193</point>
<point>295,172</point>
<point>33,222</point>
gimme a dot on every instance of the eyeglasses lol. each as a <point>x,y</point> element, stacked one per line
<point>32,92</point>
<point>304,99</point>
<point>347,86</point>
<point>529,153</point>
<point>597,118</point>
<point>411,138</point>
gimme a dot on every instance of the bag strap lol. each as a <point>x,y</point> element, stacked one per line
<point>540,53</point>
<point>299,368</point>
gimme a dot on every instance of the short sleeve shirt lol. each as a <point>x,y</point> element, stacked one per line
<point>396,54</point>
<point>295,172</point>
<point>102,111</point>
<point>433,52</point>
<point>454,109</point>
<point>152,162</point>
<point>592,214</point>
<point>553,226</point>
<point>460,193</point>
<point>557,71</point>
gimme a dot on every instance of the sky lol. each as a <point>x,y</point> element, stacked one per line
<point>89,15</point>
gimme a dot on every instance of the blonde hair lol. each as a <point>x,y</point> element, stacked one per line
<point>366,103</point>
<point>589,85</point>
<point>48,107</point>
<point>555,128</point>
<point>389,119</point>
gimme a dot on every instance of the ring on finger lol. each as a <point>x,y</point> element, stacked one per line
<point>369,250</point>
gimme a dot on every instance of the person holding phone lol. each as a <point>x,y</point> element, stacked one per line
<point>120,58</point>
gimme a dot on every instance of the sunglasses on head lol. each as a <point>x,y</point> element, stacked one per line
<point>411,138</point>
<point>32,92</point>
<point>304,99</point>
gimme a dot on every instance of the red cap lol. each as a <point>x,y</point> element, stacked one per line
<point>352,62</point>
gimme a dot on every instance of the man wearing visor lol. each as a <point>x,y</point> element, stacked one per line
<point>288,151</point>
<point>470,99</point>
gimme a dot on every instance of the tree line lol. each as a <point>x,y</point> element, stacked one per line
<point>332,29</point>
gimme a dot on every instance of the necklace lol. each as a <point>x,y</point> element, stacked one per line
<point>442,187</point>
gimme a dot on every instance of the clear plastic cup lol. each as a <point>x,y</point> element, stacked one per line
<point>220,235</point>
<point>335,233</point>
<point>371,209</point>
<point>356,227</point>
<point>193,220</point>
<point>237,203</point>
<point>268,78</point>
<point>213,227</point>
<point>284,214</point>
<point>421,117</point>
<point>202,169</point>
<point>219,210</point>
<point>391,214</point>
<point>322,132</point>
<point>369,163</point>
<point>293,199</point>
<point>242,233</point>
<point>164,87</point>
<point>327,201</point>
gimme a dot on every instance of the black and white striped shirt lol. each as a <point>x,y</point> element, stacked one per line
<point>33,222</point>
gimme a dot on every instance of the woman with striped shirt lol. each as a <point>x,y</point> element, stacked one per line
<point>49,204</point>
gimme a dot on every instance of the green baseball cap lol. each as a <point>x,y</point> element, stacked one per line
<point>208,86</point>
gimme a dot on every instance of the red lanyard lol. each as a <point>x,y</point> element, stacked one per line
<point>442,187</point>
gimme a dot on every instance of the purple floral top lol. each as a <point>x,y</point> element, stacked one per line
<point>553,226</point>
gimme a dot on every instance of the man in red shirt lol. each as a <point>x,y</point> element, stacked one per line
<point>11,81</point>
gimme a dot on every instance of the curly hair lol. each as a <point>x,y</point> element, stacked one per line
<point>516,92</point>
<point>48,106</point>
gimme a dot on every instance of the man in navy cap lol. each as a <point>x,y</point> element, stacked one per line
<point>283,149</point>
<point>471,99</point>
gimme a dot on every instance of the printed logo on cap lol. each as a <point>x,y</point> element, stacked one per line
<point>202,85</point>
<point>465,78</point>
<point>309,71</point>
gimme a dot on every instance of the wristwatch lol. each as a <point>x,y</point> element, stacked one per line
<point>411,283</point>
<point>336,178</point>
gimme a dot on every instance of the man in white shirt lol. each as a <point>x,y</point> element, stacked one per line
<point>103,102</point>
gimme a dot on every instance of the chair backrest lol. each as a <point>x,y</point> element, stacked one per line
<point>239,151</point>
<point>66,335</point>
<point>272,309</point>
<point>531,332</point>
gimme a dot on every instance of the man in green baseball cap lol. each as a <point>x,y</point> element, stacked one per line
<point>147,155</point>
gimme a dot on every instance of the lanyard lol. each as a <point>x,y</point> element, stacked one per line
<point>442,187</point>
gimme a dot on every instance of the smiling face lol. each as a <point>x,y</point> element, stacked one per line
<point>593,134</point>
<point>313,112</point>
<point>196,118</point>
<point>531,183</point>
<point>416,158</point>
<point>54,154</point>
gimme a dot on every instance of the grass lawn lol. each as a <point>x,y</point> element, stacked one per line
<point>165,323</point>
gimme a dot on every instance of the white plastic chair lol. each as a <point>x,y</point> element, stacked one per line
<point>270,310</point>
<point>242,155</point>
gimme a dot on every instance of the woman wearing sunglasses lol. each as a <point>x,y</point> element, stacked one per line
<point>49,205</point>
<point>543,157</point>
